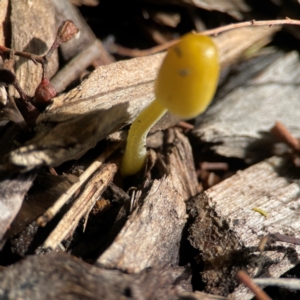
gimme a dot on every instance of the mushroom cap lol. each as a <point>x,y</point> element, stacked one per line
<point>188,77</point>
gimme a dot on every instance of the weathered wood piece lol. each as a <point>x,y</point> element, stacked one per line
<point>108,99</point>
<point>85,2</point>
<point>239,124</point>
<point>12,192</point>
<point>151,236</point>
<point>35,37</point>
<point>54,150</point>
<point>227,231</point>
<point>61,276</point>
<point>199,296</point>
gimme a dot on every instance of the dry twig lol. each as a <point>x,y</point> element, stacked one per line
<point>289,283</point>
<point>257,291</point>
<point>277,237</point>
<point>136,52</point>
<point>82,205</point>
<point>284,135</point>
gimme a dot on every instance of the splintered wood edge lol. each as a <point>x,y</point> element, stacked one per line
<point>270,186</point>
<point>83,204</point>
<point>96,164</point>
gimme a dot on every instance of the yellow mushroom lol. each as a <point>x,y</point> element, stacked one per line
<point>185,86</point>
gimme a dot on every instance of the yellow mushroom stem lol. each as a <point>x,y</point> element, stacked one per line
<point>136,151</point>
<point>185,85</point>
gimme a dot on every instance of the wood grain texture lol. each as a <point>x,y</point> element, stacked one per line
<point>33,30</point>
<point>227,231</point>
<point>76,66</point>
<point>3,21</point>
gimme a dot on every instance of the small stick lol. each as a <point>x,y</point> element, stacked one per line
<point>63,35</point>
<point>136,52</point>
<point>256,290</point>
<point>185,125</point>
<point>277,237</point>
<point>285,238</point>
<point>216,31</point>
<point>52,211</point>
<point>35,58</point>
<point>264,241</point>
<point>26,108</point>
<point>30,107</point>
<point>284,135</point>
<point>223,166</point>
<point>289,283</point>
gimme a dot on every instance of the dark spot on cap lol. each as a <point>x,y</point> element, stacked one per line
<point>184,72</point>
